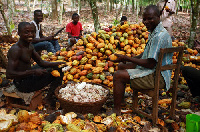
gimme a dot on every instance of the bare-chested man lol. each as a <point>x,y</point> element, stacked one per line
<point>26,78</point>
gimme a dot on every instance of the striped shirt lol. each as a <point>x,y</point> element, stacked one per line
<point>159,38</point>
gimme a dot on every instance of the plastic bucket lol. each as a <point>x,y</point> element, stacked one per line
<point>192,123</point>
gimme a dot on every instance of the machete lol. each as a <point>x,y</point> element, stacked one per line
<point>58,32</point>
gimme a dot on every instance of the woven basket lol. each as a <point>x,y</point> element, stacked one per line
<point>83,108</point>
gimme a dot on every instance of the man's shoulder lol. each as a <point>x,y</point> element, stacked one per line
<point>79,23</point>
<point>70,23</point>
<point>15,49</point>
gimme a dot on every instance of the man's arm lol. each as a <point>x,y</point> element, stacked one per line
<point>42,37</point>
<point>70,35</point>
<point>36,57</point>
<point>80,35</point>
<point>13,62</point>
<point>147,63</point>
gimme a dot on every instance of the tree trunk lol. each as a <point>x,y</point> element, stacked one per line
<point>34,3</point>
<point>127,4</point>
<point>141,10</point>
<point>137,8</point>
<point>119,11</point>
<point>5,18</point>
<point>11,8</point>
<point>111,5</point>
<point>14,5</point>
<point>93,6</point>
<point>54,10</point>
<point>27,3</point>
<point>106,5</point>
<point>133,8</point>
<point>194,8</point>
<point>79,6</point>
<point>72,4</point>
<point>61,12</point>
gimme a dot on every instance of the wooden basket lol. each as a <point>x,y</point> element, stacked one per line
<point>83,108</point>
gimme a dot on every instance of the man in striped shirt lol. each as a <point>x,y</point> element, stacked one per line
<point>140,70</point>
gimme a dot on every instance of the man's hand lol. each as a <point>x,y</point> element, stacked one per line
<point>60,63</point>
<point>120,58</point>
<point>39,72</point>
<point>170,11</point>
<point>50,38</point>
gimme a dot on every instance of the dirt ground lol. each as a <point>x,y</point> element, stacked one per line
<point>181,29</point>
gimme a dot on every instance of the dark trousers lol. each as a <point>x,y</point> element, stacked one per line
<point>33,83</point>
<point>192,76</point>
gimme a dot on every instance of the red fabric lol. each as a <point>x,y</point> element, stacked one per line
<point>74,29</point>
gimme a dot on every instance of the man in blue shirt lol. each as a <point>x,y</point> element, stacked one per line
<point>140,70</point>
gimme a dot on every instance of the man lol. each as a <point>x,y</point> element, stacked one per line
<point>167,11</point>
<point>26,78</point>
<point>74,30</point>
<point>140,70</point>
<point>123,20</point>
<point>192,76</point>
<point>41,42</point>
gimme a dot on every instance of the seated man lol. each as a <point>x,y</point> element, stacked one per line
<point>123,20</point>
<point>41,42</point>
<point>74,30</point>
<point>26,78</point>
<point>140,70</point>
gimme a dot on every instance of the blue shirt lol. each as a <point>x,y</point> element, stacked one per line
<point>159,38</point>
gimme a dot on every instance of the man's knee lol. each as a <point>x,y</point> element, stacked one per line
<point>72,41</point>
<point>119,75</point>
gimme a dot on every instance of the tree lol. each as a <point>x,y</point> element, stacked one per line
<point>27,3</point>
<point>111,5</point>
<point>79,6</point>
<point>133,7</point>
<point>5,18</point>
<point>94,9</point>
<point>120,11</point>
<point>54,9</point>
<point>195,8</point>
<point>61,11</point>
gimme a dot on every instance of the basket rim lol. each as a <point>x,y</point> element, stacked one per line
<point>83,103</point>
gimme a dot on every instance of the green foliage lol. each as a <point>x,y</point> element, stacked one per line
<point>12,26</point>
<point>116,1</point>
<point>115,22</point>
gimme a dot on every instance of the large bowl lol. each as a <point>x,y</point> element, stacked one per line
<point>83,108</point>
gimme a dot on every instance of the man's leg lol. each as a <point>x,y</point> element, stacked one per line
<point>192,76</point>
<point>71,42</point>
<point>121,77</point>
<point>56,45</point>
<point>45,45</point>
<point>33,83</point>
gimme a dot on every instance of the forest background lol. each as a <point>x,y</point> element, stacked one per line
<point>95,14</point>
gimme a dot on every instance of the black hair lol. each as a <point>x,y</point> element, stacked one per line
<point>75,14</point>
<point>21,25</point>
<point>154,8</point>
<point>36,11</point>
<point>123,18</point>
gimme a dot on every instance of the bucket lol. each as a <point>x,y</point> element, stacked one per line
<point>192,123</point>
